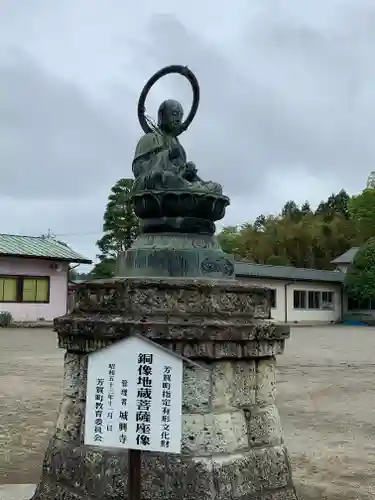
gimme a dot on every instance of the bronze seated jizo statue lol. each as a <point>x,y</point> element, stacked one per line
<point>168,194</point>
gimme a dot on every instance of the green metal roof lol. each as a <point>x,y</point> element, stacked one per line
<point>244,269</point>
<point>38,247</point>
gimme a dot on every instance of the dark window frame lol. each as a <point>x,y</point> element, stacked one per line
<point>273,297</point>
<point>314,300</point>
<point>301,303</point>
<point>19,284</point>
<point>329,301</point>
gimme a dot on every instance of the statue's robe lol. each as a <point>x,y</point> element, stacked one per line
<point>152,166</point>
<point>160,163</point>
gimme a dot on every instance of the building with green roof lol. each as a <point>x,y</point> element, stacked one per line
<point>34,276</point>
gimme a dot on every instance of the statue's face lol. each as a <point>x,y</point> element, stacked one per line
<point>171,114</point>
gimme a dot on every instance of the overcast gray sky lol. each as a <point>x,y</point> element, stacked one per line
<point>287,102</point>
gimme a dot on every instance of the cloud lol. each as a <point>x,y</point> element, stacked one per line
<point>291,100</point>
<point>54,141</point>
<point>287,100</point>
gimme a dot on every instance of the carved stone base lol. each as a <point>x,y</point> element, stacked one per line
<point>232,443</point>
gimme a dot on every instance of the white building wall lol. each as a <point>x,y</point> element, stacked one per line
<point>315,315</point>
<point>285,311</point>
<point>57,305</point>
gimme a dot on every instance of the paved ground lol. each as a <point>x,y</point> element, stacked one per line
<point>16,491</point>
<point>30,391</point>
<point>326,397</point>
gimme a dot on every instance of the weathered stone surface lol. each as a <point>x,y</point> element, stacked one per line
<point>265,381</point>
<point>213,433</point>
<point>196,388</point>
<point>68,426</point>
<point>189,479</point>
<point>233,384</point>
<point>75,374</point>
<point>150,296</point>
<point>242,476</point>
<point>231,434</point>
<point>47,491</point>
<point>264,426</point>
<point>201,319</point>
<point>284,494</point>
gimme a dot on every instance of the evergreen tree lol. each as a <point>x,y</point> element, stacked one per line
<point>362,212</point>
<point>120,228</point>
<point>360,278</point>
<point>306,209</point>
<point>260,222</point>
<point>336,204</point>
<point>291,210</point>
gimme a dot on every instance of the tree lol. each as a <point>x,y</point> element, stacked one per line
<point>74,275</point>
<point>291,210</point>
<point>105,268</point>
<point>362,212</point>
<point>120,227</point>
<point>228,239</point>
<point>336,204</point>
<point>260,222</point>
<point>359,280</point>
<point>306,209</point>
<point>297,236</point>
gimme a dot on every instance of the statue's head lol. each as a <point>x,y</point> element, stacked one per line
<point>170,116</point>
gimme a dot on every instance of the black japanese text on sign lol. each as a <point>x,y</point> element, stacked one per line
<point>99,408</point>
<point>144,398</point>
<point>110,395</point>
<point>166,396</point>
<point>123,413</point>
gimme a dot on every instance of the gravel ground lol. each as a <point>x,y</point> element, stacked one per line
<point>326,398</point>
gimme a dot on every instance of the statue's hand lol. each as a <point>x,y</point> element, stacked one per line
<point>190,172</point>
<point>190,168</point>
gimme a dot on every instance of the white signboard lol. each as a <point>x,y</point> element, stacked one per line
<point>134,397</point>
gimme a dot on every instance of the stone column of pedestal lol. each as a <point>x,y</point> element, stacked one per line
<point>232,443</point>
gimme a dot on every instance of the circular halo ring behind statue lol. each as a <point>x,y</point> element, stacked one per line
<point>175,68</point>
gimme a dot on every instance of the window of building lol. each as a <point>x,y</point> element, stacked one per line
<point>299,299</point>
<point>35,290</point>
<point>273,297</point>
<point>327,301</point>
<point>8,289</point>
<point>24,289</point>
<point>313,299</point>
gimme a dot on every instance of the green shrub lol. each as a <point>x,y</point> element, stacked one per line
<point>359,280</point>
<point>5,319</point>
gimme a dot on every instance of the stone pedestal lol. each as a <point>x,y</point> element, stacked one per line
<point>176,255</point>
<point>232,443</point>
